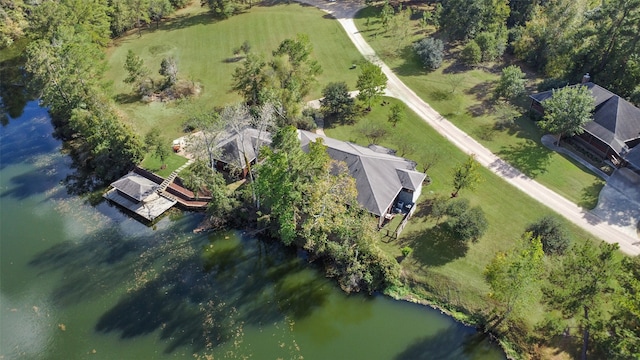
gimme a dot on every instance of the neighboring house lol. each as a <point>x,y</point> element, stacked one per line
<point>615,129</point>
<point>139,195</point>
<point>386,183</point>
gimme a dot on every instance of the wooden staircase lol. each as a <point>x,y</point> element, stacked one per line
<point>170,178</point>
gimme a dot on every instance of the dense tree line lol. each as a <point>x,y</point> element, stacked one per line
<point>589,291</point>
<point>65,61</point>
<point>561,39</point>
<point>108,18</point>
<point>311,202</point>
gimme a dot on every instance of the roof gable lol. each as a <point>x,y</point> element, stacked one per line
<point>233,145</point>
<point>135,186</point>
<point>615,120</point>
<point>379,176</point>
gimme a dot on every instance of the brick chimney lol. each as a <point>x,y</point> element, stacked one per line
<point>586,78</point>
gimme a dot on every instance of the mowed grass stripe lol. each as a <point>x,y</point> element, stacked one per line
<point>202,45</point>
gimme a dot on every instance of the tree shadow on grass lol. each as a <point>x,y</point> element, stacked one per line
<point>481,92</point>
<point>529,157</point>
<point>435,246</point>
<point>411,65</point>
<point>124,98</point>
<point>590,194</point>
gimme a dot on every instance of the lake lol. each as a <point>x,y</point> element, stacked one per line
<point>89,282</point>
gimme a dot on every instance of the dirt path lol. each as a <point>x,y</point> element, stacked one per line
<point>344,11</point>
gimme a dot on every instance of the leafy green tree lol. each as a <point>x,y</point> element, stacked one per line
<point>337,104</point>
<point>108,147</point>
<point>471,224</point>
<point>199,178</point>
<point>566,112</point>
<point>280,184</point>
<point>222,8</point>
<point>386,13</point>
<point>462,19</point>
<point>66,74</point>
<point>471,53</point>
<point>430,51</point>
<point>159,9</point>
<point>155,142</point>
<point>134,65</point>
<point>312,203</point>
<point>249,80</point>
<point>511,83</point>
<point>513,274</point>
<point>492,45</point>
<point>581,285</point>
<point>179,4</point>
<point>622,332</point>
<point>552,234</point>
<point>138,11</point>
<point>608,47</point>
<point>549,40</point>
<point>521,12</point>
<point>169,69</point>
<point>396,113</point>
<point>371,82</point>
<point>293,73</point>
<point>466,175</point>
<point>89,18</point>
<point>13,22</point>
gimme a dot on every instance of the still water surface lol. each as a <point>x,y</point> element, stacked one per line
<point>84,282</point>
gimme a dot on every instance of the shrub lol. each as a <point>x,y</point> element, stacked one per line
<point>337,104</point>
<point>406,251</point>
<point>471,224</point>
<point>553,236</point>
<point>456,207</point>
<point>471,54</point>
<point>491,45</point>
<point>511,83</point>
<point>430,51</point>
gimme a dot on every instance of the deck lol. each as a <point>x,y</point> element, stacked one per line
<point>152,207</point>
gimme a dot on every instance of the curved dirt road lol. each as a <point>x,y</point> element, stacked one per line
<point>344,12</point>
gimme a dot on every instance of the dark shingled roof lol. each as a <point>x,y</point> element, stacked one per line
<point>615,120</point>
<point>135,186</point>
<point>379,176</point>
<point>633,157</point>
<point>231,146</point>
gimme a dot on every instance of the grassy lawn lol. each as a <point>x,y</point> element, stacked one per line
<point>202,47</point>
<point>153,164</point>
<point>442,270</point>
<point>465,97</point>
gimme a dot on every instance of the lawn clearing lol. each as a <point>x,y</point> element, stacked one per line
<point>465,97</point>
<point>203,48</point>
<point>444,271</point>
<point>153,164</point>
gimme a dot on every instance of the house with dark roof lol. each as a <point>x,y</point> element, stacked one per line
<point>139,195</point>
<point>615,129</point>
<point>386,183</point>
<point>236,148</point>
